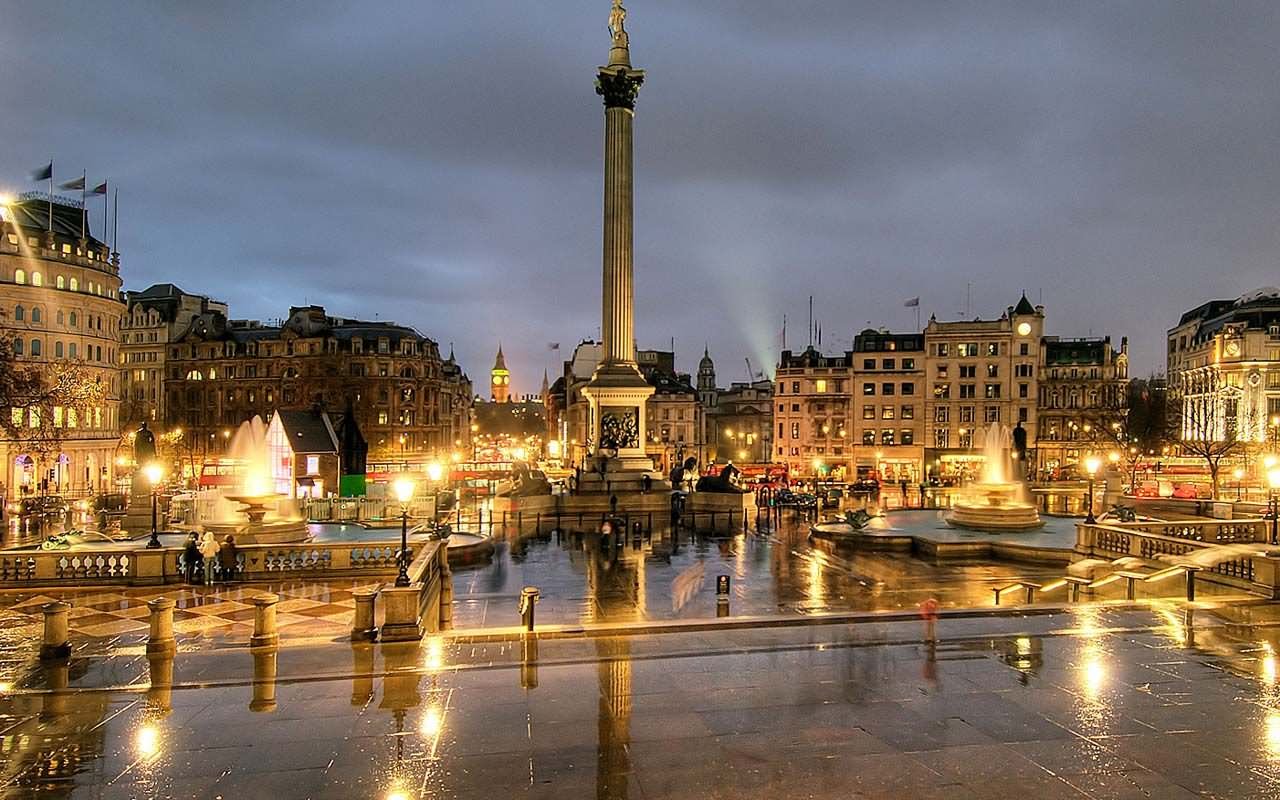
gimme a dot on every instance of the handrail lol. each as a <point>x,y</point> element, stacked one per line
<point>1077,583</point>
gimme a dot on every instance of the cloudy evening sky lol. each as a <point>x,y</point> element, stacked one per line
<point>439,164</point>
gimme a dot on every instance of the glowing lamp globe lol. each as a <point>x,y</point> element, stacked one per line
<point>435,471</point>
<point>1091,464</point>
<point>1273,478</point>
<point>154,473</point>
<point>403,487</point>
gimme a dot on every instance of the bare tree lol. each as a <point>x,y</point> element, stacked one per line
<point>46,401</point>
<point>1210,430</point>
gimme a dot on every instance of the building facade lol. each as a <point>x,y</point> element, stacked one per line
<point>979,373</point>
<point>889,405</point>
<point>153,319</point>
<point>60,306</point>
<point>1224,370</point>
<point>813,413</point>
<point>737,421</point>
<point>1082,402</point>
<point>408,401</point>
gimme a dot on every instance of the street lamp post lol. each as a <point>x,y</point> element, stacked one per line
<point>403,487</point>
<point>1273,504</point>
<point>1238,474</point>
<point>153,472</point>
<point>1091,465</point>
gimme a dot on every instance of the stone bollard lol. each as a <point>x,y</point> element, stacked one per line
<point>55,644</point>
<point>363,627</point>
<point>529,597</point>
<point>446,588</point>
<point>160,639</point>
<point>264,679</point>
<point>264,621</point>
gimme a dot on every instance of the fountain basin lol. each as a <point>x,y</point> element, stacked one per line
<point>994,506</point>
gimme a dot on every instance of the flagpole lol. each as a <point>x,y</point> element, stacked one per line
<point>115,226</point>
<point>50,197</point>
<point>84,210</point>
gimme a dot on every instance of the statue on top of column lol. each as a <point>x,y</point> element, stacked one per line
<point>617,15</point>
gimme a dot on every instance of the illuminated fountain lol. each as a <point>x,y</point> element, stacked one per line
<point>996,502</point>
<point>264,516</point>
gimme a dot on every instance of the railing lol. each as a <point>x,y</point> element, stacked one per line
<point>167,565</point>
<point>1149,541</point>
<point>1210,531</point>
<point>366,509</point>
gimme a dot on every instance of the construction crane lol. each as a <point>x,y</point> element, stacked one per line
<point>751,376</point>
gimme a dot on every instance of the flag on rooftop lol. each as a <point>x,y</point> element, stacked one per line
<point>912,303</point>
<point>77,183</point>
<point>100,188</point>
<point>44,173</point>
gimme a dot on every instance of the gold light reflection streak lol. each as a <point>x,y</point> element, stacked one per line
<point>434,658</point>
<point>1271,734</point>
<point>817,592</point>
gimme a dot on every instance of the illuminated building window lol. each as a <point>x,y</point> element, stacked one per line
<point>74,285</point>
<point>37,279</point>
<point>820,386</point>
<point>20,276</point>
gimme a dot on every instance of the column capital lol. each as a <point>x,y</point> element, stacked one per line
<point>619,86</point>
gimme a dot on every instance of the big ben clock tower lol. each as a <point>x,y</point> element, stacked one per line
<point>500,379</point>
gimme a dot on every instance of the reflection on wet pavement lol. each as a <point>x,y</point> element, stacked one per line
<point>1092,703</point>
<point>584,578</point>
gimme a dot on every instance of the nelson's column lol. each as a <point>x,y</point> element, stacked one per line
<point>617,390</point>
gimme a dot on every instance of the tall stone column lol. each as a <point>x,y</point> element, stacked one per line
<point>617,391</point>
<point>619,86</point>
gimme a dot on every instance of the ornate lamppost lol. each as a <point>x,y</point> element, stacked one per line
<point>403,487</point>
<point>1091,464</point>
<point>1273,504</point>
<point>154,473</point>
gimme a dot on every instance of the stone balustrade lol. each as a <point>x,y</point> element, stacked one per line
<point>141,567</point>
<point>1154,542</point>
<point>365,509</point>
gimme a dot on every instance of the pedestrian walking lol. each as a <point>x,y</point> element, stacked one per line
<point>227,557</point>
<point>209,552</point>
<point>191,558</point>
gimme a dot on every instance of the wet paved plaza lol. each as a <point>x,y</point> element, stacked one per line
<point>1092,703</point>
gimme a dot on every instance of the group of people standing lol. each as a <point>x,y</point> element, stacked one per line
<point>207,556</point>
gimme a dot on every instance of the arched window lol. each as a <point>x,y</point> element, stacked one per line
<point>35,347</point>
<point>61,282</point>
<point>19,314</point>
<point>35,314</point>
<point>195,375</point>
<point>57,349</point>
<point>37,279</point>
<point>73,319</point>
<point>75,284</point>
<point>17,347</point>
<point>62,320</point>
<point>290,372</point>
<point>19,276</point>
<point>71,350</point>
